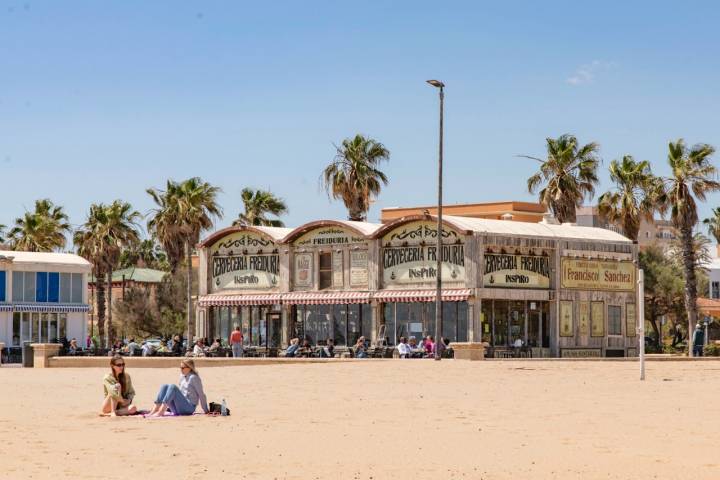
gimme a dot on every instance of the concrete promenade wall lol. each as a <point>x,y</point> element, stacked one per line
<point>174,362</point>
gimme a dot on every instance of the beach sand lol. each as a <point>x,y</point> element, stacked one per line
<point>378,419</point>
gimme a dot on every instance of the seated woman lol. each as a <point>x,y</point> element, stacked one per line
<point>360,350</point>
<point>163,348</point>
<point>73,347</point>
<point>293,348</point>
<point>182,399</point>
<point>118,389</point>
<point>216,345</point>
<point>328,351</point>
<point>199,349</point>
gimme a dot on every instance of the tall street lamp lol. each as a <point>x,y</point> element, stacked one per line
<point>438,250</point>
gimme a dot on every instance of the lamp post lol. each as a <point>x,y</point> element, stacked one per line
<point>438,250</point>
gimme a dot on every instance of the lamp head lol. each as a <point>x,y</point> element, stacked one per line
<point>436,83</point>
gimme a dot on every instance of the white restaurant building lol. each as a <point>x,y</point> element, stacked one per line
<point>43,297</point>
<point>562,290</point>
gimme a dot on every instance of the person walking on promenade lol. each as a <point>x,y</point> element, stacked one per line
<point>698,339</point>
<point>236,342</point>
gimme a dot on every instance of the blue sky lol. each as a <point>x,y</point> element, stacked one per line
<point>101,100</point>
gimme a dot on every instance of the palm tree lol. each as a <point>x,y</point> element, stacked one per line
<point>713,224</point>
<point>353,175</point>
<point>121,231</point>
<point>634,196</point>
<point>108,230</point>
<point>693,177</point>
<point>89,239</point>
<point>569,175</point>
<point>2,232</point>
<point>42,230</point>
<point>183,211</point>
<point>146,254</point>
<point>259,203</point>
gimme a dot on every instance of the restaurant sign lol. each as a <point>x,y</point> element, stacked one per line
<point>328,236</point>
<point>516,271</point>
<point>409,255</point>
<point>244,261</point>
<point>605,275</point>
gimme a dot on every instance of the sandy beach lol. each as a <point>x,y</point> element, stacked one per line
<point>378,419</point>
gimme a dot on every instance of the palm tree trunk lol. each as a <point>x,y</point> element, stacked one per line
<point>189,313</point>
<point>100,305</point>
<point>690,282</point>
<point>110,333</point>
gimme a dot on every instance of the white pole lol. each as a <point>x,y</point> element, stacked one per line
<point>641,320</point>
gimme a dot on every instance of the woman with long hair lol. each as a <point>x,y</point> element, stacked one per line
<point>182,399</point>
<point>118,389</point>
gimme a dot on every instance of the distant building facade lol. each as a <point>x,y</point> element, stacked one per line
<point>515,211</point>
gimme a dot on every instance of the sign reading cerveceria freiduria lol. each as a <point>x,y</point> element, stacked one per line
<point>244,261</point>
<point>409,255</point>
<point>516,271</point>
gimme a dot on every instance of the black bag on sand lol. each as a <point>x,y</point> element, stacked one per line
<point>217,408</point>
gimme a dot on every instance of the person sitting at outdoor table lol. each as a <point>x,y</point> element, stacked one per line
<point>118,390</point>
<point>328,351</point>
<point>177,346</point>
<point>163,348</point>
<point>216,345</point>
<point>181,399</point>
<point>73,347</point>
<point>429,346</point>
<point>306,348</point>
<point>518,343</point>
<point>133,347</point>
<point>147,349</point>
<point>199,349</point>
<point>404,349</point>
<point>293,348</point>
<point>360,349</point>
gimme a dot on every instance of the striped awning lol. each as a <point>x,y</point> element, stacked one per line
<point>231,300</point>
<point>315,298</point>
<point>5,307</point>
<point>50,307</point>
<point>448,295</point>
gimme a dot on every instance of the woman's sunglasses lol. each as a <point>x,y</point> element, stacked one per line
<point>119,365</point>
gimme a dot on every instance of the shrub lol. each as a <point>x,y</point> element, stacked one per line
<point>711,350</point>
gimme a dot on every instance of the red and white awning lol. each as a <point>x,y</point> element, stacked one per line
<point>448,295</point>
<point>231,300</point>
<point>316,298</point>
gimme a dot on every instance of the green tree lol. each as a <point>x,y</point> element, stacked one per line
<point>2,233</point>
<point>258,204</point>
<point>567,176</point>
<point>634,196</point>
<point>354,176</point>
<point>663,287</point>
<point>184,210</point>
<point>42,230</point>
<point>693,177</point>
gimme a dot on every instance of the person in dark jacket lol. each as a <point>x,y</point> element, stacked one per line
<point>177,346</point>
<point>698,341</point>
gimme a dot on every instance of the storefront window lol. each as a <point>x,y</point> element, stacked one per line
<point>366,322</point>
<point>533,327</point>
<point>62,325</point>
<point>486,326</point>
<point>389,319</point>
<point>462,322</point>
<point>418,320</point>
<point>517,322</point>
<point>339,314</point>
<point>17,316</point>
<point>325,270</point>
<point>500,323</point>
<point>614,320</point>
<point>245,323</point>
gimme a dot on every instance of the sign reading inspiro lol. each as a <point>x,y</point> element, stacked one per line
<point>519,271</point>
<point>244,261</point>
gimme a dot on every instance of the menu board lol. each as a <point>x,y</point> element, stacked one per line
<point>584,318</point>
<point>337,269</point>
<point>303,269</point>
<point>597,319</point>
<point>566,319</point>
<point>359,268</point>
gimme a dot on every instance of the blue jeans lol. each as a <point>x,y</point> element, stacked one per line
<point>237,350</point>
<point>175,400</point>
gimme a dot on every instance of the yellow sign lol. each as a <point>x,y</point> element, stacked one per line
<point>597,275</point>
